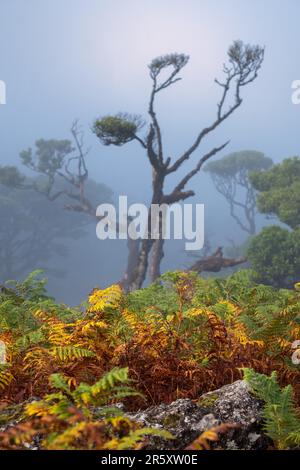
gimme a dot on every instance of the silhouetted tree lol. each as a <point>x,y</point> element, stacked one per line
<point>244,62</point>
<point>64,174</point>
<point>230,176</point>
<point>30,226</point>
<point>32,232</point>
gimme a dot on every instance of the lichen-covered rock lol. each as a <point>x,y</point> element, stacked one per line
<point>187,419</point>
<point>235,403</point>
<point>183,418</point>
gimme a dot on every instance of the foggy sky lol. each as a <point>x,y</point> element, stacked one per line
<point>66,59</point>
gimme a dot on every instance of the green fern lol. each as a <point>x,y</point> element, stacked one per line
<point>282,418</point>
<point>69,353</point>
<point>77,414</point>
<point>59,382</point>
<point>113,386</point>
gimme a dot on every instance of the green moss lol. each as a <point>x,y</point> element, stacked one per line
<point>171,420</point>
<point>208,400</point>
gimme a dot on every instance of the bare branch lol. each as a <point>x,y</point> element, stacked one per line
<point>176,62</point>
<point>176,196</point>
<point>177,193</point>
<point>244,64</point>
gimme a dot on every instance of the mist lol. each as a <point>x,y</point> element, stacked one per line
<point>74,59</point>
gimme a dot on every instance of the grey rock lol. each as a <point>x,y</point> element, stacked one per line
<point>187,419</point>
<point>236,404</point>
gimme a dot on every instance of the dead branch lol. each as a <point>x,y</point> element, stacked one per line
<point>216,262</point>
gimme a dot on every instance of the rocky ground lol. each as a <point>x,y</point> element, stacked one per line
<point>187,419</point>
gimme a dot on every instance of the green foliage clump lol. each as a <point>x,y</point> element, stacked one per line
<point>279,191</point>
<point>18,303</point>
<point>175,60</point>
<point>11,176</point>
<point>118,129</point>
<point>82,418</point>
<point>239,163</point>
<point>275,253</point>
<point>282,418</point>
<point>275,256</point>
<point>49,155</point>
<point>160,294</point>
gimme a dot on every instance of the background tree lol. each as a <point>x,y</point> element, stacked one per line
<point>279,191</point>
<point>61,165</point>
<point>244,62</point>
<point>32,232</point>
<point>230,176</point>
<point>275,252</point>
<point>274,255</point>
<point>63,182</point>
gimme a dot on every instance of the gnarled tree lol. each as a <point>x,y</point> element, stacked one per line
<point>33,231</point>
<point>230,176</point>
<point>244,62</point>
<point>62,180</point>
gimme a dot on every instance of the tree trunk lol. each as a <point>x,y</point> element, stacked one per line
<point>157,256</point>
<point>140,272</point>
<point>133,254</point>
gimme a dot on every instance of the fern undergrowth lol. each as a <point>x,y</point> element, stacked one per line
<point>178,338</point>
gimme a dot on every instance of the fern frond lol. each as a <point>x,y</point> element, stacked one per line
<point>70,353</point>
<point>6,378</point>
<point>106,298</point>
<point>282,419</point>
<point>59,382</point>
<point>135,438</point>
<point>110,380</point>
<point>111,387</point>
<point>37,408</point>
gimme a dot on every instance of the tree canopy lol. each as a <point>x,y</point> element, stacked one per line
<point>275,256</point>
<point>279,191</point>
<point>230,176</point>
<point>118,129</point>
<point>237,163</point>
